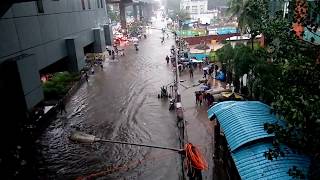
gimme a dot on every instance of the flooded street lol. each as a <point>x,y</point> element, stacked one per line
<point>120,103</point>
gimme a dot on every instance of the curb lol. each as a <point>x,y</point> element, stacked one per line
<point>42,121</point>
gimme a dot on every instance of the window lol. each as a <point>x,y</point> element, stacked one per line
<point>83,5</point>
<point>89,4</point>
<point>187,8</point>
<point>40,6</point>
<point>194,9</point>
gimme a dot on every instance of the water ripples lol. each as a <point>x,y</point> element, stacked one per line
<point>119,103</point>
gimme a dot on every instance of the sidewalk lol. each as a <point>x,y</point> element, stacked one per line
<point>200,131</point>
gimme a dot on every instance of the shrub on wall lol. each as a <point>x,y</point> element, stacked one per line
<point>59,85</point>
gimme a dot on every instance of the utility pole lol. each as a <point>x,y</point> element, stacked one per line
<point>179,111</point>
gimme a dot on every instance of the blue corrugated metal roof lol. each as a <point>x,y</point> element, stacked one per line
<point>242,121</point>
<point>252,164</point>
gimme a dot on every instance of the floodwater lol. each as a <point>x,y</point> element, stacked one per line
<point>120,103</point>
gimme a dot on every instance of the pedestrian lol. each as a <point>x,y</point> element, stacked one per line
<point>210,70</point>
<point>191,72</point>
<point>205,74</point>
<point>162,39</point>
<point>200,98</point>
<point>167,59</point>
<point>197,97</point>
<point>122,52</point>
<point>116,50</point>
<point>61,106</point>
<point>112,55</point>
<point>86,76</point>
<point>92,70</point>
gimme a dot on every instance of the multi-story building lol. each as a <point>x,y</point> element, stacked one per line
<point>198,10</point>
<point>38,34</point>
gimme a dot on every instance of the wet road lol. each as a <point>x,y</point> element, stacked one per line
<point>120,103</point>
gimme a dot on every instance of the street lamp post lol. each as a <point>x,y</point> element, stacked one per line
<point>177,68</point>
<point>179,110</point>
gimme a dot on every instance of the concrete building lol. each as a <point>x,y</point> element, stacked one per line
<point>198,10</point>
<point>37,34</point>
<point>36,37</point>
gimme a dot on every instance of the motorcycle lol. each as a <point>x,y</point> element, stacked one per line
<point>171,104</point>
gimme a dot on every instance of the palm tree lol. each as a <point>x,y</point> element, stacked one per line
<point>236,7</point>
<point>251,15</point>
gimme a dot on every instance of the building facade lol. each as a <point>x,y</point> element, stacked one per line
<point>37,34</point>
<point>198,10</point>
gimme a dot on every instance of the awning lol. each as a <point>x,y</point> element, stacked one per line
<point>196,61</point>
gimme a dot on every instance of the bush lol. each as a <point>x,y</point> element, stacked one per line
<point>213,57</point>
<point>59,85</point>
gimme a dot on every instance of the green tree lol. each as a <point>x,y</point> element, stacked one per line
<point>236,7</point>
<point>253,18</point>
<point>251,15</point>
<point>244,62</point>
<point>296,95</point>
<point>286,75</point>
<point>225,56</point>
<point>113,15</point>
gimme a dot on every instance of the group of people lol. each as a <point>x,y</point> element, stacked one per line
<point>203,96</point>
<point>172,56</point>
<point>98,62</point>
<point>207,71</point>
<point>115,51</point>
<point>163,35</point>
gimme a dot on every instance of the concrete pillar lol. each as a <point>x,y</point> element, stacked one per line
<point>30,81</point>
<point>20,85</point>
<point>147,11</point>
<point>99,40</point>
<point>122,8</point>
<point>76,54</point>
<point>135,11</point>
<point>140,11</point>
<point>108,35</point>
<point>21,90</point>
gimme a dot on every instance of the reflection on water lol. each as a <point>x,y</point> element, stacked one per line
<point>118,103</point>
